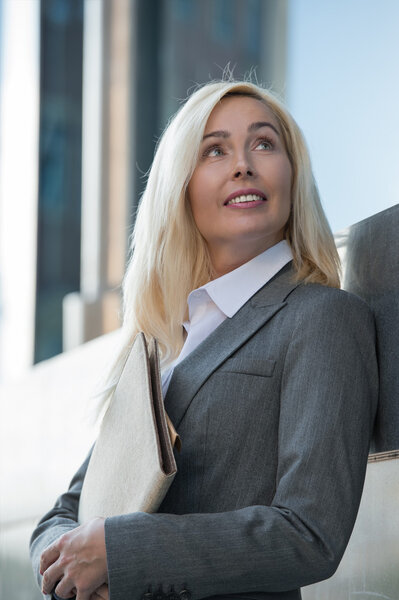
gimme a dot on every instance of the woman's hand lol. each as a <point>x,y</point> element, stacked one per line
<point>76,563</point>
<point>101,593</point>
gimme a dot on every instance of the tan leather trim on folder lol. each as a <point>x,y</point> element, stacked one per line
<point>174,436</point>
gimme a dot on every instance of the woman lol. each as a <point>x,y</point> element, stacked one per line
<point>273,391</point>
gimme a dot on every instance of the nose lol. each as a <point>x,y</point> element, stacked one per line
<point>243,168</point>
<point>240,173</point>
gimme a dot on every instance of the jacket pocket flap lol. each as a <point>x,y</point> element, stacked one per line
<point>263,367</point>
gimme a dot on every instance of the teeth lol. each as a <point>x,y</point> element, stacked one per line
<point>247,198</point>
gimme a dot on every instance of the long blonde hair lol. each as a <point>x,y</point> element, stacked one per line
<point>169,257</point>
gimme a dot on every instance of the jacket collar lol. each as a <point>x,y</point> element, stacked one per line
<point>192,372</point>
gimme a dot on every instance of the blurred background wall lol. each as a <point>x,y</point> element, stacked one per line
<point>86,87</point>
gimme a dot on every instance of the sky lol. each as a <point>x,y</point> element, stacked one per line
<point>343,89</point>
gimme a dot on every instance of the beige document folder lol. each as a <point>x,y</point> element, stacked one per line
<point>132,464</point>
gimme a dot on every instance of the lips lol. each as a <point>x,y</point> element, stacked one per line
<point>245,195</point>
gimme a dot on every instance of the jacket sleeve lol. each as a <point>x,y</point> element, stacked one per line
<point>61,518</point>
<point>328,402</point>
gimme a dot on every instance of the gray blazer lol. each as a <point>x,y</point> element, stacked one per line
<point>275,411</point>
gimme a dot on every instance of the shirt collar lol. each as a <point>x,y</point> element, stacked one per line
<point>231,291</point>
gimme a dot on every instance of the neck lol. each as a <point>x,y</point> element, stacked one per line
<point>226,259</point>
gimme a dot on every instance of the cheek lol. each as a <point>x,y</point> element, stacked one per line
<point>192,196</point>
<point>285,184</point>
<point>201,198</point>
<point>197,204</point>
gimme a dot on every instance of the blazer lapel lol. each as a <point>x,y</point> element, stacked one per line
<point>194,370</point>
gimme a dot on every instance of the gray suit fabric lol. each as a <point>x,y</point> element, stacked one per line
<point>372,272</point>
<point>275,410</point>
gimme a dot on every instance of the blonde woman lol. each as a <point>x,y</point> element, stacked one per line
<point>269,372</point>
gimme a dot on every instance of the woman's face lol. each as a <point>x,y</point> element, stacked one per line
<point>240,191</point>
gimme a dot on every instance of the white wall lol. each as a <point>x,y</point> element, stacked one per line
<point>343,89</point>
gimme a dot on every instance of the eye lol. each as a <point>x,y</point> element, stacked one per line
<point>213,151</point>
<point>267,144</point>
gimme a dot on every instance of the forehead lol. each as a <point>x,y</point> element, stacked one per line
<point>233,111</point>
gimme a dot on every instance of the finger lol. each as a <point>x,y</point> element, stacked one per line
<point>84,595</point>
<point>64,590</point>
<point>78,592</point>
<point>51,576</point>
<point>96,596</point>
<point>57,597</point>
<point>102,592</point>
<point>49,556</point>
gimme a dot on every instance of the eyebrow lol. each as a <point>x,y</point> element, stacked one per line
<point>260,124</point>
<point>253,127</point>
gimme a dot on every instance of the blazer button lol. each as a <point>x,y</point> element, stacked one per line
<point>159,595</point>
<point>184,595</point>
<point>172,594</point>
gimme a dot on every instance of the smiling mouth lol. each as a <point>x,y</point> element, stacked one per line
<point>246,199</point>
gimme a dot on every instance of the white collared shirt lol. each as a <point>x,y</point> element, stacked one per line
<point>221,298</point>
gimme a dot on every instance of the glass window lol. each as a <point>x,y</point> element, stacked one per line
<point>59,208</point>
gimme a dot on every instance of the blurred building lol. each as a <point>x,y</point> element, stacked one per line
<point>86,90</point>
